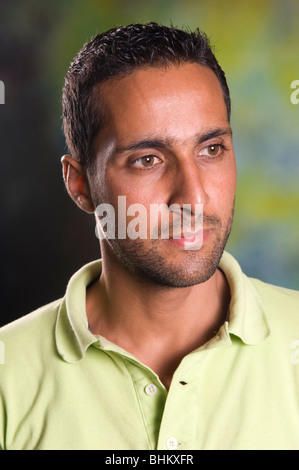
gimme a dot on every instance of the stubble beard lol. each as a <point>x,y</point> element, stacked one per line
<point>148,262</point>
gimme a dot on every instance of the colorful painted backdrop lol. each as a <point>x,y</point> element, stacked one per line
<point>44,237</point>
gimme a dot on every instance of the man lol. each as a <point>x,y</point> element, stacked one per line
<point>164,343</point>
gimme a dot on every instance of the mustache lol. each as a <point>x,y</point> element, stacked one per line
<point>176,226</point>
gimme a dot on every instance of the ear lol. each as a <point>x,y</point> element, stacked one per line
<point>76,183</point>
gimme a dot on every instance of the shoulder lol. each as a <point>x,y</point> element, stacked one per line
<point>28,350</point>
<point>276,296</point>
<point>27,339</point>
<point>281,305</point>
<point>31,323</point>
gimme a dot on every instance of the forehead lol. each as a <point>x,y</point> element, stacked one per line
<point>176,100</point>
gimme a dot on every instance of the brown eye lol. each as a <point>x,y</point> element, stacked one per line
<point>213,150</point>
<point>147,161</point>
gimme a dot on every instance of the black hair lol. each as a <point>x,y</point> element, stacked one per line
<point>118,52</point>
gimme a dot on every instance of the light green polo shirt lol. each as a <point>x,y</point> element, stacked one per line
<point>61,387</point>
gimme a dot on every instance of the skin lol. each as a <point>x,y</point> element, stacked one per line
<point>166,139</point>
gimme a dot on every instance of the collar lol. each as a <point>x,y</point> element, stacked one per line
<point>247,315</point>
<point>248,319</point>
<point>72,334</point>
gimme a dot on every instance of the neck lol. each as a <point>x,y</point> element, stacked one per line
<point>138,315</point>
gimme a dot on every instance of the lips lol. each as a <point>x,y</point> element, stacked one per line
<point>190,235</point>
<point>190,241</point>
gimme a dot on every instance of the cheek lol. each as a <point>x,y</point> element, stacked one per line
<point>141,190</point>
<point>228,188</point>
<point>130,203</point>
<point>222,191</point>
<point>229,177</point>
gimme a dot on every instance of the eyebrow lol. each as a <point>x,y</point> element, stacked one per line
<point>160,142</point>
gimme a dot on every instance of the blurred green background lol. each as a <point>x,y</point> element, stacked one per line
<point>45,238</point>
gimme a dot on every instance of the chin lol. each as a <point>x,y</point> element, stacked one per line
<point>152,264</point>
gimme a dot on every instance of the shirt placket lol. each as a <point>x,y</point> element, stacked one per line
<point>179,422</point>
<point>151,396</point>
<point>183,413</point>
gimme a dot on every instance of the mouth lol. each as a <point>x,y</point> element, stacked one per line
<point>190,241</point>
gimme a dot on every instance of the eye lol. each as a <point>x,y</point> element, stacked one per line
<point>213,150</point>
<point>147,161</point>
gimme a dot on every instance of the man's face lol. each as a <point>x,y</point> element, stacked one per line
<point>167,140</point>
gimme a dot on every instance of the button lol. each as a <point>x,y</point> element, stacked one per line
<point>171,443</point>
<point>151,390</point>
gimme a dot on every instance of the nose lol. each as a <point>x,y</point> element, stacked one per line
<point>189,185</point>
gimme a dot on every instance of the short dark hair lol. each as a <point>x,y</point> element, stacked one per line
<point>118,52</point>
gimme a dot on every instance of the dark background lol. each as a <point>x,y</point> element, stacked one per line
<point>44,237</point>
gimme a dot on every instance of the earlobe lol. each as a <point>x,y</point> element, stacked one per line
<point>76,183</point>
